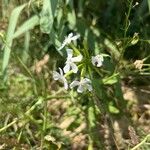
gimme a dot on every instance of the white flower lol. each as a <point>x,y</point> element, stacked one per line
<point>68,40</point>
<point>97,60</point>
<point>60,77</point>
<point>84,84</point>
<point>70,63</point>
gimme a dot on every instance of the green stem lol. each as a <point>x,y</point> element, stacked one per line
<point>127,19</point>
<point>126,28</point>
<point>125,35</point>
<point>141,143</point>
<point>71,72</point>
<point>9,125</point>
<point>44,124</point>
<point>32,108</point>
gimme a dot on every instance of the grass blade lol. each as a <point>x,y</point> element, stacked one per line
<point>148,1</point>
<point>28,25</point>
<point>9,37</point>
<point>47,15</point>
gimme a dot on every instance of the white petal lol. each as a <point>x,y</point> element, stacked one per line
<point>66,68</point>
<point>74,83</point>
<point>77,59</point>
<point>62,46</point>
<point>80,89</point>
<point>65,84</point>
<point>69,53</point>
<point>97,60</point>
<point>100,57</point>
<point>74,67</point>
<point>75,37</point>
<point>89,87</point>
<point>94,60</point>
<point>68,40</point>
<point>99,64</point>
<point>56,75</point>
<point>86,81</point>
<point>70,35</point>
<point>61,72</point>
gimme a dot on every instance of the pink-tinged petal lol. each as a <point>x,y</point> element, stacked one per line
<point>66,68</point>
<point>80,89</point>
<point>74,67</point>
<point>74,84</point>
<point>69,53</point>
<point>77,59</point>
<point>56,75</point>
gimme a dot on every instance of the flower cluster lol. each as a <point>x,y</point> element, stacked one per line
<point>71,67</point>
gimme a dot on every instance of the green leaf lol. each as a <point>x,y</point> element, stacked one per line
<point>113,109</point>
<point>91,117</point>
<point>112,49</point>
<point>97,85</point>
<point>28,25</point>
<point>90,146</point>
<point>110,80</point>
<point>148,1</point>
<point>47,15</point>
<point>72,19</point>
<point>135,39</point>
<point>9,37</point>
<point>26,47</point>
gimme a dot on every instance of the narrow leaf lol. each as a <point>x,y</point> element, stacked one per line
<point>112,49</point>
<point>47,15</point>
<point>113,109</point>
<point>9,37</point>
<point>28,25</point>
<point>110,80</point>
<point>148,1</point>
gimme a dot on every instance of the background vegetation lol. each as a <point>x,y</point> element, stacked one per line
<point>37,113</point>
